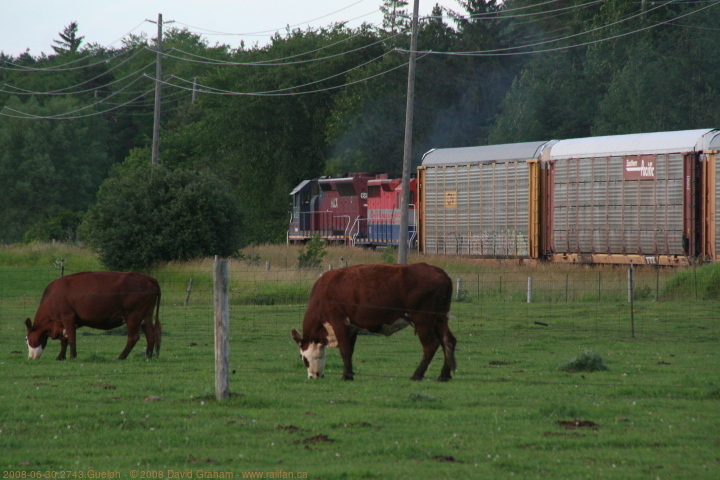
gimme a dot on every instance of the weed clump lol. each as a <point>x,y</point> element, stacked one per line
<point>389,254</point>
<point>312,254</point>
<point>587,361</point>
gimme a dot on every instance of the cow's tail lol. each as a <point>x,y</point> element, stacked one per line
<point>448,344</point>
<point>158,326</point>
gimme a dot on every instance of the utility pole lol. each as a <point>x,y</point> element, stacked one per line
<point>405,192</point>
<point>158,95</point>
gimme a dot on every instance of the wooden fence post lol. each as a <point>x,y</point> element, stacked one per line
<point>529,290</point>
<point>222,317</point>
<point>189,289</point>
<point>631,291</point>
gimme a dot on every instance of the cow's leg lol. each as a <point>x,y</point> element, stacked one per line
<point>430,344</point>
<point>63,348</point>
<point>448,342</point>
<point>348,373</point>
<point>149,331</point>
<point>133,328</point>
<point>346,337</point>
<point>69,339</point>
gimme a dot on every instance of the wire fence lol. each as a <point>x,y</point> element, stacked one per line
<point>500,310</point>
<point>579,300</point>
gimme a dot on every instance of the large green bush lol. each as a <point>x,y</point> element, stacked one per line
<point>146,215</point>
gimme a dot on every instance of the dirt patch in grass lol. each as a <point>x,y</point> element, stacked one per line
<point>444,458</point>
<point>573,424</point>
<point>318,439</point>
<point>289,428</point>
<point>104,385</point>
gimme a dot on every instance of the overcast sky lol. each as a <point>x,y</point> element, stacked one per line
<point>34,24</point>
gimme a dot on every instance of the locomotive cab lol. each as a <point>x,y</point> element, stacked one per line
<point>304,197</point>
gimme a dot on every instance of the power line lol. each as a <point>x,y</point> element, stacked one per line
<point>265,62</point>
<point>38,117</point>
<point>62,91</point>
<point>268,62</point>
<point>503,51</point>
<point>64,116</point>
<point>58,68</point>
<point>272,31</point>
<point>271,94</point>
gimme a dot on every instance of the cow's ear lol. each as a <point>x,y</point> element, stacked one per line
<point>28,324</point>
<point>296,336</point>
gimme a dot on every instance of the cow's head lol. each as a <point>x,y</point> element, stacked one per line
<point>312,354</point>
<point>36,340</point>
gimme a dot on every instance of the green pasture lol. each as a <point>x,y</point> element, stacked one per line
<point>509,412</point>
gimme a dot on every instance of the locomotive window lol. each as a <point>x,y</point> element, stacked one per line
<point>346,189</point>
<point>304,198</point>
<point>373,191</point>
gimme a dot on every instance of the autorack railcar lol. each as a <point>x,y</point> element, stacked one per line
<point>477,201</point>
<point>643,198</point>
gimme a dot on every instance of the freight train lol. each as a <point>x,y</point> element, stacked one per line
<point>646,198</point>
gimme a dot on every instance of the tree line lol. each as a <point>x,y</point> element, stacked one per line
<point>242,126</point>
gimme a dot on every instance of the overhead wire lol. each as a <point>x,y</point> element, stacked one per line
<point>287,91</point>
<point>487,53</point>
<point>57,68</point>
<point>270,94</point>
<point>266,62</point>
<point>92,53</point>
<point>503,51</point>
<point>501,14</point>
<point>165,110</point>
<point>39,117</point>
<point>64,116</point>
<point>62,91</point>
<point>272,31</point>
<point>207,89</point>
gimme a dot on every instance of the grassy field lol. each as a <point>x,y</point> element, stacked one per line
<point>509,412</point>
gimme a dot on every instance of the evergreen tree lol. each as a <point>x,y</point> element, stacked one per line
<point>69,41</point>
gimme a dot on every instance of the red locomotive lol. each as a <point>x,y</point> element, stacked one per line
<point>354,209</point>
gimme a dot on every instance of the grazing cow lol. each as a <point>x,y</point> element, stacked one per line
<point>382,298</point>
<point>103,300</point>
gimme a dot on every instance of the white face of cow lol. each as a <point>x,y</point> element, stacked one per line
<point>35,337</point>
<point>312,354</point>
<point>314,358</point>
<point>34,352</point>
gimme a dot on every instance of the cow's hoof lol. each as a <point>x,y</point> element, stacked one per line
<point>59,359</point>
<point>444,379</point>
<point>348,377</point>
<point>416,378</point>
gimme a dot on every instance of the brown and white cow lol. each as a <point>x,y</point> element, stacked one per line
<point>382,298</point>
<point>102,300</point>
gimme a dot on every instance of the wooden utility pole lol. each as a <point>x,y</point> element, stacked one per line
<point>407,151</point>
<point>158,95</point>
